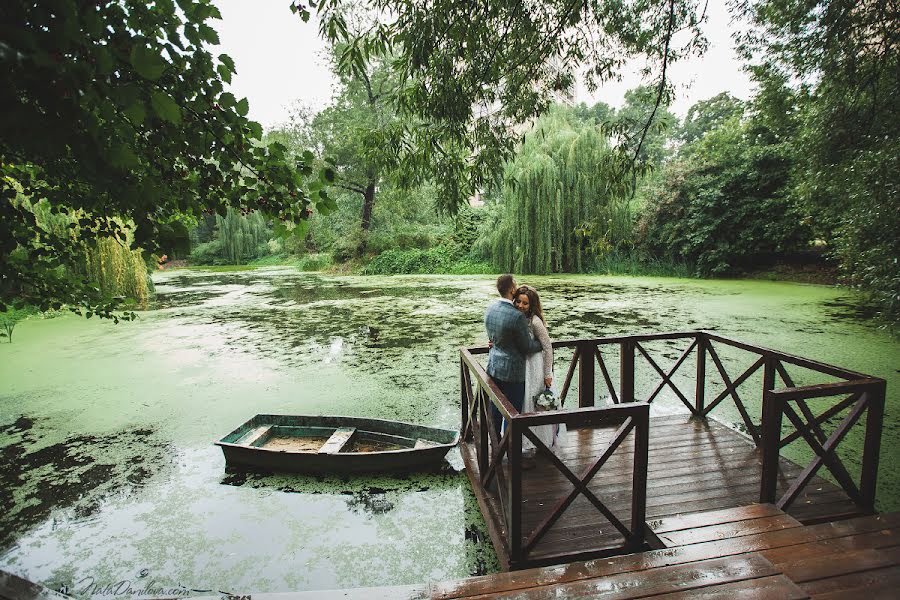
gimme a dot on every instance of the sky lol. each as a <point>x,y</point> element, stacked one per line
<point>281,61</point>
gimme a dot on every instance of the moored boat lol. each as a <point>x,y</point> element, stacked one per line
<point>334,444</point>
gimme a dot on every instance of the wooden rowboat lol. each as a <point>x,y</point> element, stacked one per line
<point>317,444</point>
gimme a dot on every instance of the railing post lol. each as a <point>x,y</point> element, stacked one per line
<point>626,371</point>
<point>586,374</point>
<point>639,479</point>
<point>768,373</point>
<point>872,445</point>
<point>772,413</point>
<point>700,385</point>
<point>484,428</point>
<point>463,398</point>
<point>514,516</point>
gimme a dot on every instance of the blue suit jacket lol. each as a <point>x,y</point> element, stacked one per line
<point>508,329</point>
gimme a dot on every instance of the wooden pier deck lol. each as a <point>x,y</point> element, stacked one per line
<point>617,470</point>
<point>693,466</point>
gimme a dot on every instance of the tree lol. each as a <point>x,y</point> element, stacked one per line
<point>706,115</point>
<point>361,132</point>
<point>559,208</point>
<point>841,59</point>
<point>724,203</point>
<point>473,72</point>
<point>643,125</point>
<point>116,114</point>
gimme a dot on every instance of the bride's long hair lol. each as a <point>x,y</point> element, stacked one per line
<point>534,301</point>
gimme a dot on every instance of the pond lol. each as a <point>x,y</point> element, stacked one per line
<point>107,469</point>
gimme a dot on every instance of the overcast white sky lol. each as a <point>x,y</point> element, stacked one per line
<point>280,60</point>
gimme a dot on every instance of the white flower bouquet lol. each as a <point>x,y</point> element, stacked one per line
<point>546,400</point>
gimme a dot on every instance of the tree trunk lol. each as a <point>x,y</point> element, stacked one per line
<point>368,203</point>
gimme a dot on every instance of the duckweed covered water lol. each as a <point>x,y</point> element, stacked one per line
<point>108,472</point>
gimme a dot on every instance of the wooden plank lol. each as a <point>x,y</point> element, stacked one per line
<point>421,443</point>
<point>489,508</point>
<point>337,440</point>
<point>789,358</point>
<point>729,530</point>
<point>832,547</point>
<point>764,588</point>
<point>701,500</point>
<point>825,566</point>
<point>712,517</point>
<point>801,535</point>
<point>583,532</point>
<point>871,585</point>
<point>678,578</point>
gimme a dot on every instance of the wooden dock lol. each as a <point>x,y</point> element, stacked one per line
<point>693,465</point>
<point>617,470</point>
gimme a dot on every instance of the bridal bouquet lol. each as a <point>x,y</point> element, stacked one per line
<point>546,400</point>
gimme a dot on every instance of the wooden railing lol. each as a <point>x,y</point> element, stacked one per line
<point>479,392</point>
<point>859,393</point>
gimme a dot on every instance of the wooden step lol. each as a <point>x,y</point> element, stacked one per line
<point>338,440</point>
<point>684,530</point>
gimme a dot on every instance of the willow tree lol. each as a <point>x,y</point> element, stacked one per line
<point>241,235</point>
<point>563,199</point>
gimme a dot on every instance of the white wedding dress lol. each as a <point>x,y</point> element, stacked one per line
<point>538,366</point>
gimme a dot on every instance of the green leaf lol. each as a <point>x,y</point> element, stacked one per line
<point>224,73</point>
<point>227,100</point>
<point>256,130</point>
<point>136,112</point>
<point>209,34</point>
<point>243,107</point>
<point>147,62</point>
<point>301,228</point>
<point>122,156</point>
<point>165,107</point>
<point>226,60</point>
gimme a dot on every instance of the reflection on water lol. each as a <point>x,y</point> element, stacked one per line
<point>106,461</point>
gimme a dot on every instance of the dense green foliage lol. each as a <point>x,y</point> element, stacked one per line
<point>845,55</point>
<point>440,259</point>
<point>557,206</point>
<point>117,134</point>
<point>723,203</point>
<point>116,113</point>
<point>456,58</point>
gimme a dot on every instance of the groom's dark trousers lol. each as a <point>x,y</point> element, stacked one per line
<point>515,393</point>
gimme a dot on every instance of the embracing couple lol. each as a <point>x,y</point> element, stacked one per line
<point>521,357</point>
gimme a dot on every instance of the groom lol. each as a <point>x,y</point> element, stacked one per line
<point>507,329</point>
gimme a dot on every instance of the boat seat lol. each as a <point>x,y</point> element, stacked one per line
<point>421,443</point>
<point>338,440</point>
<point>254,435</point>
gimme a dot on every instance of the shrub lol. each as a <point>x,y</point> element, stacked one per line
<point>208,253</point>
<point>439,259</point>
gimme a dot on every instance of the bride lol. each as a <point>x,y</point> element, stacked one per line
<point>538,366</point>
